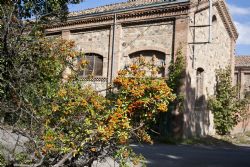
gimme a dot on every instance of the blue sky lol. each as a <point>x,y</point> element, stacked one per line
<point>240,10</point>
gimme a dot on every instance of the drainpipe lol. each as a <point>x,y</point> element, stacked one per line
<point>113,48</point>
<point>173,41</point>
<point>210,21</point>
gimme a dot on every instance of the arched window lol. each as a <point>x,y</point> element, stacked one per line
<point>199,82</point>
<point>214,19</point>
<point>148,55</point>
<point>94,66</point>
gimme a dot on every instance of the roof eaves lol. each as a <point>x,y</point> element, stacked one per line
<point>229,19</point>
<point>126,9</point>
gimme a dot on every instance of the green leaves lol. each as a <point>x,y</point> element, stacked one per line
<point>176,72</point>
<point>225,104</point>
<point>1,77</point>
<point>40,8</point>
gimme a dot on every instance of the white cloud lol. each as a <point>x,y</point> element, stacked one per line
<point>244,31</point>
<point>235,10</point>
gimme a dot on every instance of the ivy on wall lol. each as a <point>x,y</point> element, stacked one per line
<point>175,77</point>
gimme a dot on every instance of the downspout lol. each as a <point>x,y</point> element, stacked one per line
<point>113,48</point>
<point>109,55</point>
<point>173,41</point>
<point>210,21</point>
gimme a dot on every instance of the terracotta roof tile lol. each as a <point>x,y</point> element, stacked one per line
<point>242,61</point>
<point>115,6</point>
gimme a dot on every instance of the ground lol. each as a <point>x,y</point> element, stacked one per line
<point>227,151</point>
<point>194,156</point>
<point>240,139</point>
<point>163,155</point>
<point>230,151</point>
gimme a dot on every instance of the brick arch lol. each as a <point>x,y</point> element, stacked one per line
<point>95,51</point>
<point>160,49</point>
<point>95,65</point>
<point>160,59</point>
<point>200,82</point>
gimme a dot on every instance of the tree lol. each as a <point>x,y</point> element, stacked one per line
<point>29,64</point>
<point>82,126</point>
<point>145,95</point>
<point>34,81</point>
<point>226,106</point>
<point>20,23</point>
<point>64,123</point>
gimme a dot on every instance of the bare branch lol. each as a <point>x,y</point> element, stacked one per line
<point>64,159</point>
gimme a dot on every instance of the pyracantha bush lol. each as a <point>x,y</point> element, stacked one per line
<point>85,126</point>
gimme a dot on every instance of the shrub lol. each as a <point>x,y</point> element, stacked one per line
<point>76,125</point>
<point>226,106</point>
<point>67,124</point>
<point>175,77</point>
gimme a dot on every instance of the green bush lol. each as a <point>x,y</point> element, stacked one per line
<point>175,77</point>
<point>225,105</point>
<point>2,160</point>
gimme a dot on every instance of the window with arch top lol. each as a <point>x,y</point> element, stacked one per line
<point>199,82</point>
<point>94,66</point>
<point>148,55</point>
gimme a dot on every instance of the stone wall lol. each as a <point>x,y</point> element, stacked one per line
<point>127,40</point>
<point>99,84</point>
<point>244,124</point>
<point>95,41</point>
<point>242,79</point>
<point>209,57</point>
<point>157,36</point>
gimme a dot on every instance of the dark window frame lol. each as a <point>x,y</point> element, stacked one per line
<point>199,82</point>
<point>94,66</point>
<point>160,56</point>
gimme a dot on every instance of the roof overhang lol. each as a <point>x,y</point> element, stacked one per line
<point>171,9</point>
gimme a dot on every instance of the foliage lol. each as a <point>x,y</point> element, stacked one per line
<point>33,76</point>
<point>87,126</point>
<point>176,75</point>
<point>30,65</point>
<point>25,9</point>
<point>2,160</point>
<point>142,95</point>
<point>65,123</point>
<point>34,79</point>
<point>226,106</point>
<point>19,20</point>
<point>82,124</point>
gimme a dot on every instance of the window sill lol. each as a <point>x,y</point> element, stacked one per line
<point>94,79</point>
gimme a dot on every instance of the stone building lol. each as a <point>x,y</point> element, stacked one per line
<point>242,75</point>
<point>113,35</point>
<point>242,81</point>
